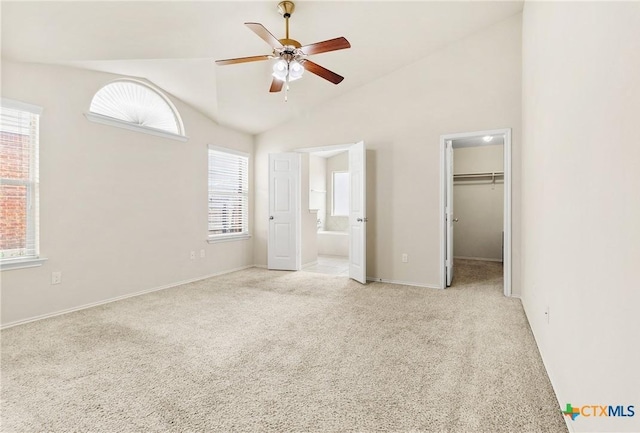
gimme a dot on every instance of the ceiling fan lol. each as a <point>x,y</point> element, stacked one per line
<point>291,55</point>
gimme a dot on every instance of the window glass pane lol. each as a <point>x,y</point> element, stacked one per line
<point>19,182</point>
<point>340,194</point>
<point>13,213</point>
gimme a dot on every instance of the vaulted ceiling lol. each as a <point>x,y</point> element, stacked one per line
<point>174,44</point>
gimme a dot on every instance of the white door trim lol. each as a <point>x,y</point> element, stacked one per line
<point>506,133</point>
<point>448,211</point>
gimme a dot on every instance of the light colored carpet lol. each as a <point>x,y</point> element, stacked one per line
<point>261,350</point>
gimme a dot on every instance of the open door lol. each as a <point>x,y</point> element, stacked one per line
<point>357,213</point>
<point>449,211</point>
<point>284,212</point>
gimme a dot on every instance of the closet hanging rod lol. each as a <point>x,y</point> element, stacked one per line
<point>484,174</point>
<point>470,177</point>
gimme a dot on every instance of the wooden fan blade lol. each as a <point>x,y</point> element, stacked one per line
<point>264,34</point>
<point>330,45</point>
<point>276,85</point>
<point>328,75</point>
<point>241,60</point>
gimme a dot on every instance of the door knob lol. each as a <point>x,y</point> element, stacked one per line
<point>271,217</point>
<point>361,220</point>
<point>455,220</point>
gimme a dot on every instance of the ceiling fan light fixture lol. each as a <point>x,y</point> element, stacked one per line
<point>280,70</point>
<point>287,71</point>
<point>295,71</point>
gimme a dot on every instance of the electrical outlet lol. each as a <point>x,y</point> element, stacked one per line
<point>193,255</point>
<point>405,258</point>
<point>56,277</point>
<point>202,254</point>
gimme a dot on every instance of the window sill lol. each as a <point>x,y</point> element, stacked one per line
<point>105,120</point>
<point>11,264</point>
<point>231,238</point>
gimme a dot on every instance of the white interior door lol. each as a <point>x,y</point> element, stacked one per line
<point>284,212</point>
<point>357,213</point>
<point>449,211</point>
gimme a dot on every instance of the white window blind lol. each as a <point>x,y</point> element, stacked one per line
<point>137,104</point>
<point>19,130</point>
<point>228,193</point>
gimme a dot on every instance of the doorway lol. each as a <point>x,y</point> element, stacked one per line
<point>491,177</point>
<point>346,209</point>
<point>329,207</point>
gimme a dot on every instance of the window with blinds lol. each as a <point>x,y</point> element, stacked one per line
<point>19,123</point>
<point>136,106</point>
<point>135,103</point>
<point>228,193</point>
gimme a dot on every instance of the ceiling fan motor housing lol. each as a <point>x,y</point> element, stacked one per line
<point>290,42</point>
<point>289,53</point>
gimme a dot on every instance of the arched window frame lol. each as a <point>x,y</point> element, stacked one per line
<point>119,123</point>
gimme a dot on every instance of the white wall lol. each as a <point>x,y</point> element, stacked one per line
<point>317,184</point>
<point>471,85</point>
<point>581,202</point>
<point>120,210</point>
<point>478,204</point>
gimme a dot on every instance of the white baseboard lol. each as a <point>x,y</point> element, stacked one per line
<point>306,265</point>
<point>404,283</point>
<point>119,298</point>
<point>548,370</point>
<point>569,425</point>
<point>484,259</point>
<point>260,266</point>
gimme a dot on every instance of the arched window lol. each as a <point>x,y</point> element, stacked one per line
<point>134,105</point>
